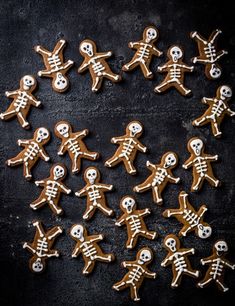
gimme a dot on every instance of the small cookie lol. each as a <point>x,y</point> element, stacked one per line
<point>217,265</point>
<point>95,193</point>
<point>145,50</point>
<point>178,258</point>
<point>88,247</point>
<point>191,219</point>
<point>41,247</point>
<point>216,111</point>
<point>22,101</point>
<point>134,221</point>
<point>56,68</point>
<point>160,177</point>
<point>96,63</point>
<point>128,147</point>
<point>52,188</point>
<point>138,271</point>
<point>33,150</point>
<point>201,163</point>
<point>208,54</point>
<point>175,69</point>
<point>73,144</point>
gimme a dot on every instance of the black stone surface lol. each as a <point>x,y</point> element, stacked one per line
<point>167,122</point>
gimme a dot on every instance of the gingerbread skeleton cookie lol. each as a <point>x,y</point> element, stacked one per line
<point>95,193</point>
<point>73,144</point>
<point>96,63</point>
<point>41,247</point>
<point>33,150</point>
<point>217,265</point>
<point>56,68</point>
<point>175,69</point>
<point>160,177</point>
<point>178,258</point>
<point>134,221</point>
<point>138,271</point>
<point>217,109</point>
<point>52,188</point>
<point>128,147</point>
<point>145,50</point>
<point>201,163</point>
<point>208,53</point>
<point>191,219</point>
<point>88,247</point>
<point>23,99</point>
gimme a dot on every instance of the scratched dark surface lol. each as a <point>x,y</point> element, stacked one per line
<point>167,126</point>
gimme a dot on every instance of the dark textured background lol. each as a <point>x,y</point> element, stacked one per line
<point>167,122</point>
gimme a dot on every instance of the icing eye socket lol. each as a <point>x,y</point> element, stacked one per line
<point>130,201</point>
<point>198,144</point>
<point>194,145</point>
<point>44,134</point>
<point>178,52</point>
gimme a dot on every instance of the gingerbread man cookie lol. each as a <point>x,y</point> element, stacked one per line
<point>145,50</point>
<point>138,271</point>
<point>178,258</point>
<point>56,68</point>
<point>217,265</point>
<point>52,188</point>
<point>160,177</point>
<point>191,219</point>
<point>33,150</point>
<point>134,221</point>
<point>208,54</point>
<point>201,163</point>
<point>23,99</point>
<point>88,247</point>
<point>95,193</point>
<point>175,69</point>
<point>73,144</point>
<point>128,147</point>
<point>96,63</point>
<point>41,247</point>
<point>217,109</point>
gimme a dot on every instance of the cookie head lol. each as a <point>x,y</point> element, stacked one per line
<point>175,53</point>
<point>150,34</point>
<point>60,82</point>
<point>28,82</point>
<point>58,171</point>
<point>213,71</point>
<point>36,265</point>
<point>204,231</point>
<point>144,256</point>
<point>92,175</point>
<point>171,243</point>
<point>220,247</point>
<point>87,48</point>
<point>134,129</point>
<point>42,135</point>
<point>169,160</point>
<point>63,129</point>
<point>225,92</point>
<point>196,146</point>
<point>128,204</point>
<point>78,231</point>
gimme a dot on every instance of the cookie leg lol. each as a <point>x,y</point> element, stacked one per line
<point>113,161</point>
<point>224,289</point>
<point>194,273</point>
<point>146,71</point>
<point>89,266</point>
<point>131,65</point>
<point>216,129</point>
<point>8,114</point>
<point>120,285</point>
<point>134,293</point>
<point>212,180</point>
<point>22,120</point>
<point>90,155</point>
<point>111,76</point>
<point>105,209</point>
<point>142,187</point>
<point>76,164</point>
<point>89,212</point>
<point>104,257</point>
<point>96,84</point>
<point>161,87</point>
<point>204,282</point>
<point>15,160</point>
<point>131,241</point>
<point>27,170</point>
<point>200,121</point>
<point>39,202</point>
<point>197,183</point>
<point>54,207</point>
<point>129,166</point>
<point>149,235</point>
<point>176,279</point>
<point>157,195</point>
<point>182,89</point>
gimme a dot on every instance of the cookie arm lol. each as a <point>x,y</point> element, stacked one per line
<point>230,112</point>
<point>207,260</point>
<point>104,54</point>
<point>134,45</point>
<point>76,251</point>
<point>23,142</point>
<point>144,212</point>
<point>43,154</point>
<point>105,186</point>
<point>11,94</point>
<point>95,238</point>
<point>229,264</point>
<point>81,134</point>
<point>40,183</point>
<point>150,166</point>
<point>211,157</point>
<point>188,251</point>
<point>64,189</point>
<point>62,149</point>
<point>162,68</point>
<point>121,220</point>
<point>29,247</point>
<point>172,179</point>
<point>117,139</point>
<point>84,66</point>
<point>140,147</point>
<point>149,274</point>
<point>188,68</point>
<point>81,193</point>
<point>166,261</point>
<point>156,51</point>
<point>33,101</point>
<point>188,163</point>
<point>208,101</point>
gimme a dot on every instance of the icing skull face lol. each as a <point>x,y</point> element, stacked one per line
<point>135,129</point>
<point>150,34</point>
<point>204,231</point>
<point>225,92</point>
<point>221,247</point>
<point>37,266</point>
<point>87,48</point>
<point>170,160</point>
<point>42,134</point>
<point>215,71</point>
<point>128,204</point>
<point>144,256</point>
<point>77,231</point>
<point>58,172</point>
<point>28,82</point>
<point>63,129</point>
<point>176,53</point>
<point>91,175</point>
<point>170,243</point>
<point>197,146</point>
<point>60,82</point>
